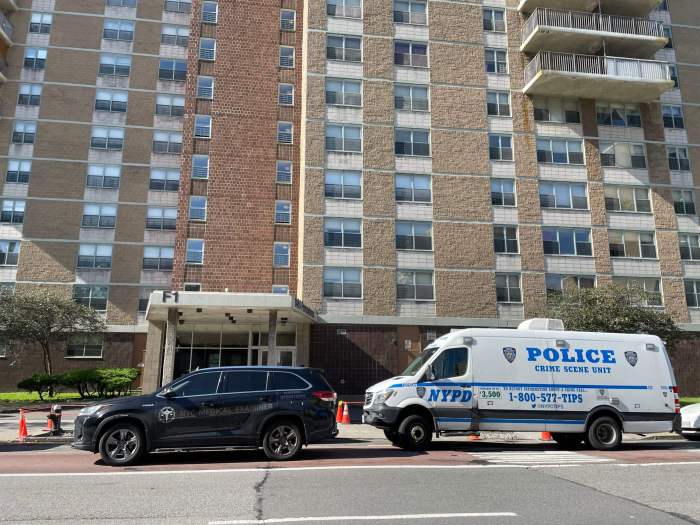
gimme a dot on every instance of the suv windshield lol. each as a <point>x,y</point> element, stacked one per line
<point>419,361</point>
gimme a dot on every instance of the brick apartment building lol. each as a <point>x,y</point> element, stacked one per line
<point>335,183</point>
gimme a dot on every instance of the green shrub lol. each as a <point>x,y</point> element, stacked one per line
<point>39,383</point>
<point>100,382</point>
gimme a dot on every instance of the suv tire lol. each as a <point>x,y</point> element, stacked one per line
<point>604,434</point>
<point>122,445</point>
<point>415,433</point>
<point>282,440</point>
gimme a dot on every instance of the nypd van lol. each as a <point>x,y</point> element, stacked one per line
<point>584,388</point>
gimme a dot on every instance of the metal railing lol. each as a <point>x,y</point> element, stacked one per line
<point>591,22</point>
<point>7,27</point>
<point>617,67</point>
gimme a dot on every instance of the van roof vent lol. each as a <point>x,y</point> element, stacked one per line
<point>541,323</point>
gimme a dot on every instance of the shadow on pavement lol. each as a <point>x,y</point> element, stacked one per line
<point>29,447</point>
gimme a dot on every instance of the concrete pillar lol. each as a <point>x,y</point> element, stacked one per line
<point>151,374</point>
<point>170,346</point>
<point>272,355</point>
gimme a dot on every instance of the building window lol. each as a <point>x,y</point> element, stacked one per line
<point>343,184</point>
<point>202,127</point>
<point>557,284</point>
<point>498,103</point>
<point>678,158</point>
<point>559,151</point>
<point>144,298</point>
<point>280,256</point>
<point>620,115</point>
<point>175,70</point>
<point>344,138</point>
<point>18,171</point>
<point>566,241</point>
<point>632,244</point>
<point>288,20</point>
<point>115,65</point>
<point>161,218</point>
<point>24,132</point>
<point>502,192</point>
<point>505,239</point>
<point>95,256</point>
<point>178,6</point>
<point>342,233</point>
<point>9,254</point>
<point>285,132</point>
<point>35,58</point>
<point>40,23</point>
<point>167,142</point>
<point>92,296</point>
<point>107,138</point>
<point>158,258</point>
<point>285,94</point>
<point>122,3</point>
<point>342,283</point>
<point>692,293</point>
<point>413,188</point>
<point>284,172</point>
<point>411,235</point>
<point>684,202</point>
<point>414,285</point>
<point>84,346</point>
<point>673,72</point>
<point>343,92</point>
<point>205,87</point>
<point>669,35</point>
<point>29,95</point>
<point>562,111</point>
<point>627,198</point>
<point>164,180</point>
<point>198,208</point>
<point>281,289</point>
<point>344,48</point>
<point>410,12</point>
<point>114,101</point>
<point>195,251</point>
<point>193,287</point>
<point>690,246</point>
<point>122,30</point>
<point>414,142</point>
<point>494,20</point>
<point>200,166</point>
<point>673,117</point>
<point>101,176</point>
<point>508,288</point>
<point>344,8</point>
<point>649,286</point>
<point>563,195</point>
<point>207,49</point>
<point>286,56</point>
<point>99,216</point>
<point>175,35</point>
<point>622,155</point>
<point>496,61</point>
<point>411,98</point>
<point>500,147</point>
<point>12,211</point>
<point>210,12</point>
<point>283,212</point>
<point>170,105</point>
<point>413,54</point>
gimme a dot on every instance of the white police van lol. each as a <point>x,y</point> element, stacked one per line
<point>582,387</point>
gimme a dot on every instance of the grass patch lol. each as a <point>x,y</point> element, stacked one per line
<point>689,400</point>
<point>33,397</point>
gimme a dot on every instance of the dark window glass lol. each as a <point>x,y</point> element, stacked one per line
<point>286,381</point>
<point>451,363</point>
<point>244,381</point>
<point>198,385</point>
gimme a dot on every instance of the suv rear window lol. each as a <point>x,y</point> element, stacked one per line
<point>287,381</point>
<point>198,385</point>
<point>243,381</point>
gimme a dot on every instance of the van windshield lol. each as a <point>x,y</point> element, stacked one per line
<point>419,361</point>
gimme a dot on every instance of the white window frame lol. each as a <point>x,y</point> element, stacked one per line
<point>103,176</point>
<point>278,253</point>
<point>282,215</point>
<point>511,298</point>
<point>628,238</point>
<point>191,249</point>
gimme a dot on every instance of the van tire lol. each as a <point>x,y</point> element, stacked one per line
<point>415,433</point>
<point>392,435</point>
<point>604,433</point>
<point>569,441</point>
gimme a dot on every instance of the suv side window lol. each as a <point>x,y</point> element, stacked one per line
<point>286,381</point>
<point>243,381</point>
<point>198,385</point>
<point>451,363</point>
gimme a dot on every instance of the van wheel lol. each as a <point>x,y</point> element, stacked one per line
<point>693,437</point>
<point>282,441</point>
<point>392,435</point>
<point>605,434</point>
<point>415,433</point>
<point>568,440</point>
<point>122,445</point>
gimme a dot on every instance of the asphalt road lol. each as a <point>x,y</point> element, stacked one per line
<point>360,481</point>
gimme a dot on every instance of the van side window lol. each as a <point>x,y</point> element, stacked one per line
<point>198,385</point>
<point>243,381</point>
<point>451,363</point>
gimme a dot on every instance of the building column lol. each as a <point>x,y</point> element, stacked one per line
<point>272,357</point>
<point>151,373</point>
<point>170,346</point>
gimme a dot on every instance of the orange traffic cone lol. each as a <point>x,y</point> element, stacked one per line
<point>545,436</point>
<point>22,425</point>
<point>346,415</point>
<point>474,437</point>
<point>49,425</point>
<point>339,414</point>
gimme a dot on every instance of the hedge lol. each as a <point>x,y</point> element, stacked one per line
<point>93,382</point>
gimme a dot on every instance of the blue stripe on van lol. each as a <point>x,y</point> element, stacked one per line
<point>534,421</point>
<point>524,385</point>
<point>453,419</point>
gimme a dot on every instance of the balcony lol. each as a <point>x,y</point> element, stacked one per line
<point>598,77</point>
<point>6,29</point>
<point>612,7</point>
<point>579,32</point>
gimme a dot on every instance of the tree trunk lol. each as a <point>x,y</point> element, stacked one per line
<point>48,367</point>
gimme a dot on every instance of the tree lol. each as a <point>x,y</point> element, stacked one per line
<point>613,309</point>
<point>39,316</point>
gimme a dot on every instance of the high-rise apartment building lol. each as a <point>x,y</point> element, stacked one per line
<point>335,183</point>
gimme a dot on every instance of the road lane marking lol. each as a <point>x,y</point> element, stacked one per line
<point>370,518</point>
<point>546,457</point>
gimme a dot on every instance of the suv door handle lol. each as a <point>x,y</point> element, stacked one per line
<point>208,404</point>
<point>266,399</point>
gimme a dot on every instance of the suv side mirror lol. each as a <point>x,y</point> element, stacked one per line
<point>167,393</point>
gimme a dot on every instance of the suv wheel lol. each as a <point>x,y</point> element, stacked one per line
<point>282,441</point>
<point>122,445</point>
<point>415,433</point>
<point>605,434</point>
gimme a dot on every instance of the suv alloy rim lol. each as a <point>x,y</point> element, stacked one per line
<point>122,444</point>
<point>283,440</point>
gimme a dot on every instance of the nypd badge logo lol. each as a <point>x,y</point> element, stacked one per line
<point>420,391</point>
<point>166,415</point>
<point>631,357</point>
<point>509,353</point>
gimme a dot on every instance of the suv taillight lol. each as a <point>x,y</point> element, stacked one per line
<point>325,395</point>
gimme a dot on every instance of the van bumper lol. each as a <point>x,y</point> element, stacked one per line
<point>677,423</point>
<point>381,417</point>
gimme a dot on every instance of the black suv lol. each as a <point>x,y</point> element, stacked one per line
<point>276,408</point>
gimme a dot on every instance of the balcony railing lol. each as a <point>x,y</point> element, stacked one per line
<point>7,27</point>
